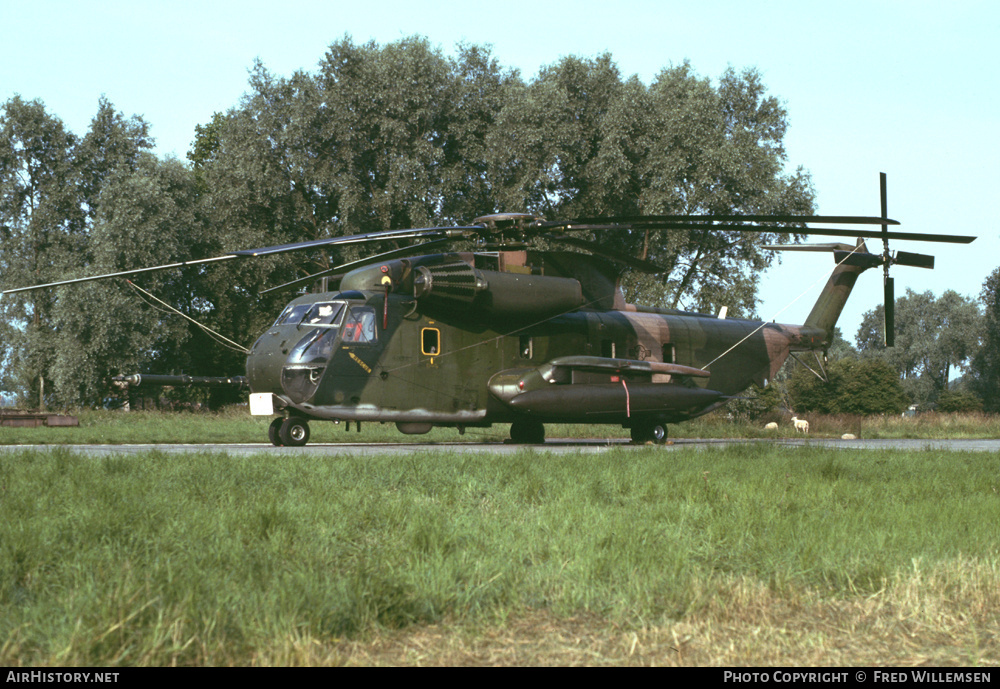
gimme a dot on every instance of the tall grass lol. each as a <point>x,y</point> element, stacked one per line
<point>217,559</point>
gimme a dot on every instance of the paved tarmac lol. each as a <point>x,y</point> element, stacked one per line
<point>555,446</point>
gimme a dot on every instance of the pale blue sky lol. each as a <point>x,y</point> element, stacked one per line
<point>908,88</point>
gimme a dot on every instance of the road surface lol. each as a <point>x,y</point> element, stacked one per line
<point>555,446</point>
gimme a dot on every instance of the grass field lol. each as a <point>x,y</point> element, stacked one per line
<point>746,555</point>
<point>235,425</point>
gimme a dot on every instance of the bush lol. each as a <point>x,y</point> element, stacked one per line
<point>755,404</point>
<point>959,401</point>
<point>855,386</point>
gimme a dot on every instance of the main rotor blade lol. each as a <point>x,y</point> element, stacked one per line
<point>739,223</point>
<point>712,218</point>
<point>826,231</point>
<point>388,235</point>
<point>124,273</point>
<point>445,232</point>
<point>832,246</point>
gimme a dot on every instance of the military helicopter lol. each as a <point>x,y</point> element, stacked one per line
<point>513,334</point>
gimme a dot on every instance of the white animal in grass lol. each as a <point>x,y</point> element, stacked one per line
<point>771,426</point>
<point>800,424</point>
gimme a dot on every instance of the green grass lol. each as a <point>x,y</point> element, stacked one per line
<point>235,425</point>
<point>217,559</point>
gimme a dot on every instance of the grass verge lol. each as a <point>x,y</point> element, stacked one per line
<point>744,555</point>
<point>235,425</point>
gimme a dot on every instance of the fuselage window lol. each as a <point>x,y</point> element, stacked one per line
<point>430,341</point>
<point>359,325</point>
<point>525,346</point>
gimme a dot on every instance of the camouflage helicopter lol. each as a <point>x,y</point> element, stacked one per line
<point>513,334</point>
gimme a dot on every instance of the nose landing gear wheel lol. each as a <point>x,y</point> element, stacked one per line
<point>294,432</point>
<point>273,432</point>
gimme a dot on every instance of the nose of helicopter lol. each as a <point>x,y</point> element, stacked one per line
<point>265,361</point>
<point>290,364</point>
<point>304,367</point>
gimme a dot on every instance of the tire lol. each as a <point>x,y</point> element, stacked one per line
<point>273,432</point>
<point>294,432</point>
<point>527,432</point>
<point>649,433</point>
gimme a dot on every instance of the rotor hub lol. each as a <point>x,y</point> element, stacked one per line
<point>505,230</point>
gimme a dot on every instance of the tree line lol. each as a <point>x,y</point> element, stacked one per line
<point>376,137</point>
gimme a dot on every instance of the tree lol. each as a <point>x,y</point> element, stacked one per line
<point>113,144</point>
<point>986,362</point>
<point>394,136</point>
<point>854,386</point>
<point>934,336</point>
<point>716,150</point>
<point>147,216</point>
<point>378,137</point>
<point>959,401</point>
<point>41,232</point>
<point>52,187</point>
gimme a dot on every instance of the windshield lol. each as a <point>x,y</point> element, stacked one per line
<point>326,313</point>
<point>315,348</point>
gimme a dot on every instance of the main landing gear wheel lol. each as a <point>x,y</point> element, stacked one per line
<point>294,432</point>
<point>649,433</point>
<point>527,432</point>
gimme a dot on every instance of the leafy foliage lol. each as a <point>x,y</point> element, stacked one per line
<point>377,137</point>
<point>934,335</point>
<point>855,386</point>
<point>398,135</point>
<point>961,401</point>
<point>986,363</point>
<point>41,230</point>
<point>756,404</point>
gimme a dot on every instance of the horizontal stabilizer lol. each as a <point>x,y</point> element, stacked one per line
<point>861,260</point>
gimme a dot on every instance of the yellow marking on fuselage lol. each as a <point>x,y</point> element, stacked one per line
<point>360,363</point>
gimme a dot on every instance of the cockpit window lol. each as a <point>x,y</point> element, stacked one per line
<point>315,348</point>
<point>325,313</point>
<point>292,314</point>
<point>359,325</point>
<point>322,313</point>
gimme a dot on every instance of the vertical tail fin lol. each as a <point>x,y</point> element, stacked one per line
<point>851,262</point>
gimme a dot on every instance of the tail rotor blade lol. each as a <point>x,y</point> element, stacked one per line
<point>890,313</point>
<point>885,211</point>
<point>905,258</point>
